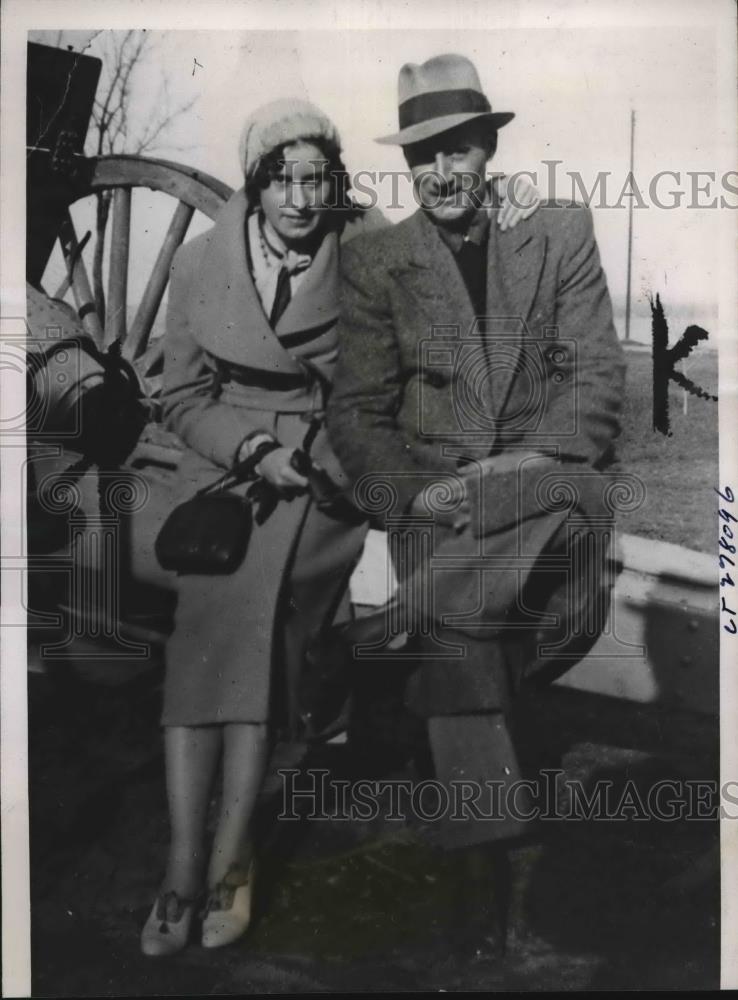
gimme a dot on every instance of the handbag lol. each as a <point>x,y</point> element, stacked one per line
<point>206,534</point>
<point>209,533</point>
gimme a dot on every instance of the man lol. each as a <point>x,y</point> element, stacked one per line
<point>477,368</point>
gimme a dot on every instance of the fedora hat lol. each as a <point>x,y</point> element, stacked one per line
<point>439,95</point>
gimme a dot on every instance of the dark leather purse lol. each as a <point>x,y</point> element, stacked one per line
<point>209,533</point>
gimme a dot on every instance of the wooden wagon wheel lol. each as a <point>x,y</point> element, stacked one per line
<point>193,190</point>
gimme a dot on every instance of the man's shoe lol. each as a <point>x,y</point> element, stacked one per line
<point>228,909</point>
<point>168,928</point>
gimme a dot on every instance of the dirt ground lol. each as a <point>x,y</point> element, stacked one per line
<point>346,905</point>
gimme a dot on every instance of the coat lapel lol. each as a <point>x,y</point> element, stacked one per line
<point>431,276</point>
<point>315,303</point>
<point>238,330</point>
<point>514,264</point>
<point>516,259</point>
<point>231,321</point>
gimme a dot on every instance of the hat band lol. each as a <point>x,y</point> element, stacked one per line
<point>437,103</point>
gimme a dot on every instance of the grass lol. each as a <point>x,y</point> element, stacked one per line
<point>681,471</point>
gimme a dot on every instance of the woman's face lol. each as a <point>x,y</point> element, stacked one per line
<point>298,199</point>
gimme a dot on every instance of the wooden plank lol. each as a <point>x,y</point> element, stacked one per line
<point>144,320</point>
<point>116,321</point>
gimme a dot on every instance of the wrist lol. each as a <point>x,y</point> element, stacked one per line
<point>261,450</point>
<point>250,443</point>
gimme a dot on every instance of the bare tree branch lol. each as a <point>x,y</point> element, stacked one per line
<point>112,130</point>
<point>103,122</point>
<point>149,138</point>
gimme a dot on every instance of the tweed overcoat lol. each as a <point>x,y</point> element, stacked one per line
<point>237,639</point>
<point>420,388</point>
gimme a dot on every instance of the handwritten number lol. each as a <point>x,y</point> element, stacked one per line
<point>726,532</point>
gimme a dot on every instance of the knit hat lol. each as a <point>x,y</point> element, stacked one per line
<point>278,124</point>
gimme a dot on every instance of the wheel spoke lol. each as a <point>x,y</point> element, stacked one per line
<point>62,289</point>
<point>152,357</point>
<point>191,188</point>
<point>81,289</point>
<point>116,320</point>
<point>142,324</point>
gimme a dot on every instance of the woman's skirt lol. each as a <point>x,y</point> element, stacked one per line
<point>238,640</point>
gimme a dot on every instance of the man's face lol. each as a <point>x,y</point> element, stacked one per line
<point>448,172</point>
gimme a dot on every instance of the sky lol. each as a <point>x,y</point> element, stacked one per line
<point>572,89</point>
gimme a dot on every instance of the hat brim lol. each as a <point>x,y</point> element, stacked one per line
<point>434,126</point>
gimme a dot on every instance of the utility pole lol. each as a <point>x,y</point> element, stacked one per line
<point>630,225</point>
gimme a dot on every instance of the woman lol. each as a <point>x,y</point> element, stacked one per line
<point>250,347</point>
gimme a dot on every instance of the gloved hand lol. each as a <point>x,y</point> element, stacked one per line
<point>519,200</point>
<point>278,469</point>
